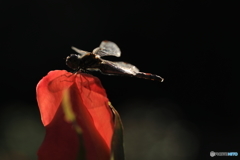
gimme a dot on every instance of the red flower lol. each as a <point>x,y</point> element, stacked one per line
<point>94,116</point>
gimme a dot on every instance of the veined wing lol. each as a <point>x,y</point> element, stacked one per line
<point>79,51</point>
<point>107,48</point>
<point>124,69</point>
<point>118,68</point>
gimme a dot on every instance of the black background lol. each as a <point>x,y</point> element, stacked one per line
<point>182,41</point>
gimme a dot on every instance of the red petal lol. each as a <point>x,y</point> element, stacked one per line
<point>94,98</point>
<point>89,103</point>
<point>49,94</point>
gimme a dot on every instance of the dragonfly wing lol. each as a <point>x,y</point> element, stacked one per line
<point>79,51</point>
<point>126,69</point>
<point>107,48</point>
<point>149,76</point>
<point>118,68</point>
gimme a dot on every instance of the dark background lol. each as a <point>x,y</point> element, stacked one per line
<point>182,41</point>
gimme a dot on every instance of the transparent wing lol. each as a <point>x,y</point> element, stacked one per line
<point>79,51</point>
<point>107,48</point>
<point>123,69</point>
<point>118,68</point>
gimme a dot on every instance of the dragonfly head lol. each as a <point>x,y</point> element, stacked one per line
<point>73,61</point>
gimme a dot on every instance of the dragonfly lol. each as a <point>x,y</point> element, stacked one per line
<point>85,61</point>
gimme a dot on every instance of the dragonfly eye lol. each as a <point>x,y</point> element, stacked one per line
<point>73,61</point>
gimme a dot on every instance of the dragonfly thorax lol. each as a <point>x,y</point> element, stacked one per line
<point>83,63</point>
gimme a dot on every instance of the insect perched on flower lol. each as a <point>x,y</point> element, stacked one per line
<point>92,61</point>
<point>80,121</point>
